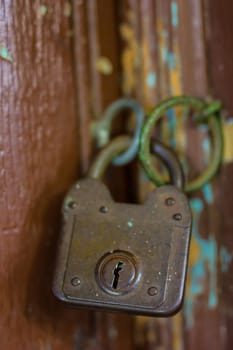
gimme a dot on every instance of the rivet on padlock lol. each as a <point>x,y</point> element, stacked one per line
<point>120,256</point>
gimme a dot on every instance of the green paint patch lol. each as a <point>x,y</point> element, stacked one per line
<point>43,10</point>
<point>4,54</point>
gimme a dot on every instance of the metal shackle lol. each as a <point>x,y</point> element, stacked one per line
<point>121,143</point>
<point>208,115</point>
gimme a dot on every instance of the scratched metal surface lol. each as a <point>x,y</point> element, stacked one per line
<point>59,67</point>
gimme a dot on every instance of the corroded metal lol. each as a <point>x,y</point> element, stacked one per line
<point>102,128</point>
<point>214,125</point>
<point>119,256</point>
<point>120,143</point>
<point>155,234</point>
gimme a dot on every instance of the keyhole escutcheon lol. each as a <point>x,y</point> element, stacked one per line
<point>116,274</point>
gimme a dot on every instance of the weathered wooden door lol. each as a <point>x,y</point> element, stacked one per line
<point>61,64</point>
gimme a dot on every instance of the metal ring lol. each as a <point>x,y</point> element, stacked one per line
<point>215,129</point>
<point>171,161</point>
<point>103,128</point>
<point>120,143</point>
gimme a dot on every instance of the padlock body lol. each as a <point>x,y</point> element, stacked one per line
<point>126,257</point>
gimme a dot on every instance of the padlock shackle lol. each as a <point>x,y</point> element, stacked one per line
<point>210,116</point>
<point>121,143</point>
<point>106,154</point>
<point>171,161</point>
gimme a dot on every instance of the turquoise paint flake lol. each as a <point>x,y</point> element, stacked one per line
<point>130,223</point>
<point>206,149</point>
<point>207,188</point>
<point>151,79</point>
<point>169,58</point>
<point>208,193</point>
<point>165,54</point>
<point>174,12</point>
<point>5,54</point>
<point>172,126</point>
<point>204,269</point>
<point>172,61</point>
<point>225,259</point>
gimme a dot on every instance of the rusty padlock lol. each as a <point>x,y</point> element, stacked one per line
<point>119,256</point>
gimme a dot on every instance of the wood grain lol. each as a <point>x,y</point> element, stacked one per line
<point>61,64</point>
<point>39,160</point>
<point>190,48</point>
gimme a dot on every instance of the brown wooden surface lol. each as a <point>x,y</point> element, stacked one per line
<point>59,68</point>
<point>198,37</point>
<point>39,159</point>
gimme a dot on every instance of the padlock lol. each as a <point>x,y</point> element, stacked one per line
<point>121,256</point>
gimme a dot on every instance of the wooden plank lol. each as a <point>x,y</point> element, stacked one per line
<point>49,99</point>
<point>97,66</point>
<point>213,311</point>
<point>43,125</point>
<point>187,60</point>
<point>39,160</point>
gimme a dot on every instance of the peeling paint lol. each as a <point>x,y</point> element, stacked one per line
<point>202,268</point>
<point>162,56</point>
<point>172,126</point>
<point>174,13</point>
<point>175,71</point>
<point>225,259</point>
<point>104,65</point>
<point>170,56</point>
<point>228,140</point>
<point>43,10</point>
<point>4,54</point>
<point>173,130</point>
<point>67,9</point>
<point>208,193</point>
<point>172,61</point>
<point>207,189</point>
<point>130,58</point>
<point>148,74</point>
<point>206,149</point>
<point>151,79</point>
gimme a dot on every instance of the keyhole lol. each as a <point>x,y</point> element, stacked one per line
<point>116,274</point>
